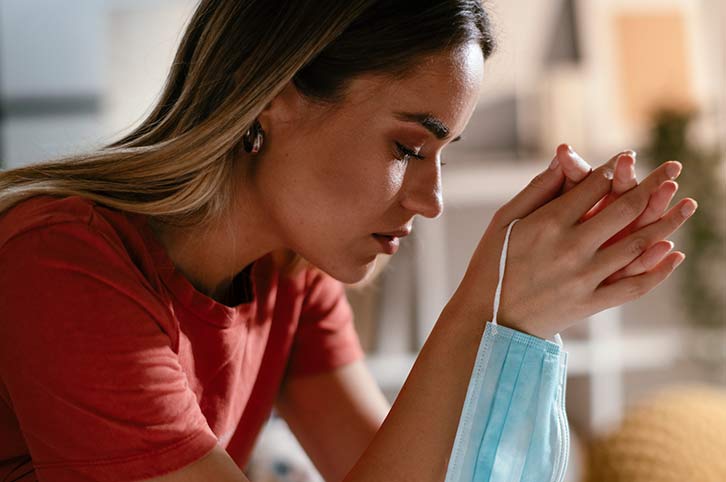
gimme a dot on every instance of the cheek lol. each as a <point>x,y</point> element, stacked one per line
<point>330,183</point>
<point>396,174</point>
<point>369,190</point>
<point>360,183</point>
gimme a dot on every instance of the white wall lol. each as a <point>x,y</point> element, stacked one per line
<point>75,75</point>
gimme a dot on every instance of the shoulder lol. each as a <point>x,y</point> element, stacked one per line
<point>43,212</point>
<point>66,260</point>
<point>75,232</point>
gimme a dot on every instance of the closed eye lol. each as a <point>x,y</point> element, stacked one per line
<point>406,152</point>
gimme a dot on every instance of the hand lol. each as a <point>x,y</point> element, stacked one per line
<point>576,169</point>
<point>555,265</point>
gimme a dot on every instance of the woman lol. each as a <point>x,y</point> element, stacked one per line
<point>159,296</point>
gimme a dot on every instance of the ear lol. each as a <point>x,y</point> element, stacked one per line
<point>289,104</point>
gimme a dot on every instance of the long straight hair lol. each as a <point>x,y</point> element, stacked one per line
<point>235,56</point>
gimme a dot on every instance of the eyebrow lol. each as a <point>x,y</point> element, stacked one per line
<point>432,123</point>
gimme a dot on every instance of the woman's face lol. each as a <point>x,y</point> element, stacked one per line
<point>329,178</point>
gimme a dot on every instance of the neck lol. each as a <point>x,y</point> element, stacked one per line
<point>211,255</point>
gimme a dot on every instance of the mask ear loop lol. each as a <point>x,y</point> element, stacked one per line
<point>498,292</point>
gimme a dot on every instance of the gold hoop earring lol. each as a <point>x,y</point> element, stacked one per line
<point>254,138</point>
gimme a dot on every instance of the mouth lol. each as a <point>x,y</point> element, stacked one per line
<point>388,244</point>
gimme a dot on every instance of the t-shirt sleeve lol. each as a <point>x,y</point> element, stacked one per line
<point>87,361</point>
<point>325,338</point>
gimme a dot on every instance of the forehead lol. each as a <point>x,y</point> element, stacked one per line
<point>446,85</point>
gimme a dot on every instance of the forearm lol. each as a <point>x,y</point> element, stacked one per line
<point>415,440</point>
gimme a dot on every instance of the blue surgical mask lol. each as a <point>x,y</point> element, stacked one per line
<point>513,427</point>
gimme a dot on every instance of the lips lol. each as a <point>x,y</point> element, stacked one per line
<point>384,236</point>
<point>396,234</point>
<point>388,244</point>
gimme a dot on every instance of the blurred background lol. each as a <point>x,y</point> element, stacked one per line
<point>645,392</point>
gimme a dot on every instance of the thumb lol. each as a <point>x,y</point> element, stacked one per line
<point>544,187</point>
<point>574,166</point>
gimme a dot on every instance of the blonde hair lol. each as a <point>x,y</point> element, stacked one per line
<point>234,58</point>
<point>176,166</point>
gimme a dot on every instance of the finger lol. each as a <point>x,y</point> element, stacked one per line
<point>657,204</point>
<point>571,206</point>
<point>615,257</point>
<point>624,179</point>
<point>644,262</point>
<point>634,287</point>
<point>601,204</point>
<point>540,190</point>
<point>626,209</point>
<point>573,165</point>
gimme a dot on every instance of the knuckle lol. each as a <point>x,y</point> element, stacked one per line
<point>624,272</point>
<point>539,181</point>
<point>637,246</point>
<point>636,267</point>
<point>569,256</point>
<point>629,208</point>
<point>569,250</point>
<point>677,219</point>
<point>550,226</point>
<point>585,282</point>
<point>636,289</point>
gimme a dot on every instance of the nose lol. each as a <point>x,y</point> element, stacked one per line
<point>422,190</point>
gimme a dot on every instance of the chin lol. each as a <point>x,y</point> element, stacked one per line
<point>351,272</point>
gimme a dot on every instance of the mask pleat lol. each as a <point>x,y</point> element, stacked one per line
<point>511,427</point>
<point>485,399</point>
<point>475,413</point>
<point>507,370</point>
<point>520,421</point>
<point>545,437</point>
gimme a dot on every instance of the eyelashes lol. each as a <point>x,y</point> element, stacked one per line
<point>406,153</point>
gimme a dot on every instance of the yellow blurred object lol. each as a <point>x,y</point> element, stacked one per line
<point>678,434</point>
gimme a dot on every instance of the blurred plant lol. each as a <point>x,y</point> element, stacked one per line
<point>703,277</point>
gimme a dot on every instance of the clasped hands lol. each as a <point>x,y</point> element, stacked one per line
<point>624,179</point>
<point>587,240</point>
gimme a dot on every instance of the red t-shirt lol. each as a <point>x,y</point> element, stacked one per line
<point>114,367</point>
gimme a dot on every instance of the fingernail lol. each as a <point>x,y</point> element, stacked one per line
<point>581,164</point>
<point>632,153</point>
<point>625,154</point>
<point>678,261</point>
<point>673,170</point>
<point>623,174</point>
<point>555,162</point>
<point>688,209</point>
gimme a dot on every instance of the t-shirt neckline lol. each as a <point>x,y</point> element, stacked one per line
<point>203,306</point>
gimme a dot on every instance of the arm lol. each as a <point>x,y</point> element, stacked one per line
<point>416,438</point>
<point>334,415</point>
<point>217,465</point>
